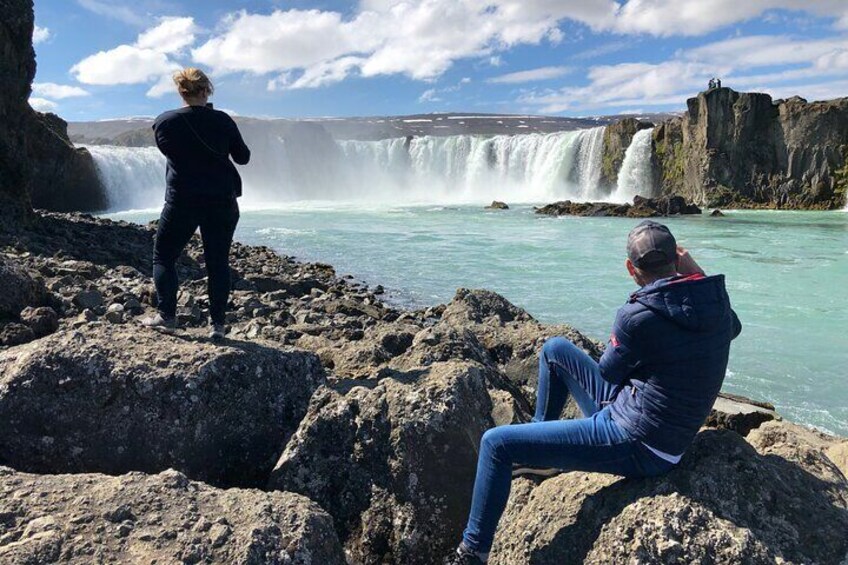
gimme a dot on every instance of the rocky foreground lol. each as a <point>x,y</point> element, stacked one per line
<point>332,427</point>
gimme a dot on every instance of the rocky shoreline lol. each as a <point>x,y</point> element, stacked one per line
<point>331,427</point>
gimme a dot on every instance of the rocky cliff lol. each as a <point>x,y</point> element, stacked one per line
<point>17,69</point>
<point>38,164</point>
<point>63,177</point>
<point>744,149</point>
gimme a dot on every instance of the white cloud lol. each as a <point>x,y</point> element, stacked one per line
<point>163,86</point>
<point>601,50</point>
<point>40,34</point>
<point>317,75</point>
<point>42,104</point>
<point>148,59</point>
<point>530,75</point>
<point>783,66</point>
<point>170,36</point>
<point>698,17</point>
<point>768,50</point>
<point>283,41</point>
<point>125,64</point>
<point>418,39</point>
<point>114,10</point>
<point>435,94</point>
<point>57,91</point>
<point>429,95</point>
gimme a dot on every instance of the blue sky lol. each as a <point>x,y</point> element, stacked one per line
<point>296,58</point>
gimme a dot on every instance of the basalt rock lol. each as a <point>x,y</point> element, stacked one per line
<point>64,178</point>
<point>19,289</point>
<point>393,459</point>
<point>17,69</point>
<point>738,149</point>
<point>164,518</point>
<point>778,500</point>
<point>641,208</point>
<point>115,399</point>
<point>739,414</point>
<point>509,337</point>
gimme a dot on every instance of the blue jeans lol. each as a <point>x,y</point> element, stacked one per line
<point>594,443</point>
<point>178,222</point>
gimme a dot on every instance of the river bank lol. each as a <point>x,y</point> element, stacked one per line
<point>371,411</point>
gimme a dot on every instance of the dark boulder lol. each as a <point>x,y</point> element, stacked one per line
<point>20,289</point>
<point>641,208</point>
<point>43,320</point>
<point>113,399</point>
<point>393,460</point>
<point>13,333</point>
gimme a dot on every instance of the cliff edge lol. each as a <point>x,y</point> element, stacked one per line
<point>743,149</point>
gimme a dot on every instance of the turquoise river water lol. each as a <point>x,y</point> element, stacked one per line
<point>787,274</point>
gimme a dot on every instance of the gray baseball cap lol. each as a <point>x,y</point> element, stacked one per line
<point>650,244</point>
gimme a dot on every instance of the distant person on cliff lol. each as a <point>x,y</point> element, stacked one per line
<point>642,404</point>
<point>202,185</point>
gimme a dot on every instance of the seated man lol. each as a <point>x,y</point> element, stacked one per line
<point>643,403</point>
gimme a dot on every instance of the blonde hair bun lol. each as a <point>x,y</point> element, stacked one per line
<point>192,83</point>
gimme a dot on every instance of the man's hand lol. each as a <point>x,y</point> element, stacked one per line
<point>685,264</point>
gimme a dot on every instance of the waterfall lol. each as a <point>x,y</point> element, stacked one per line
<point>465,168</point>
<point>591,154</point>
<point>291,162</point>
<point>636,177</point>
<point>134,177</point>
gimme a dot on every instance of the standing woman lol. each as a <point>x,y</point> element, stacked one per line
<point>202,187</point>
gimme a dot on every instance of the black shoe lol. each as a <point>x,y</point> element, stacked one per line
<point>463,556</point>
<point>524,471</point>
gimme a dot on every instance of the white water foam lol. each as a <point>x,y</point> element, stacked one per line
<point>466,168</point>
<point>134,177</point>
<point>306,166</point>
<point>636,177</point>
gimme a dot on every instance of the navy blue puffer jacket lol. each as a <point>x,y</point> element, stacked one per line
<point>668,351</point>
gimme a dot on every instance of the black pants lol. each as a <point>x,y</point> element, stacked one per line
<point>217,223</point>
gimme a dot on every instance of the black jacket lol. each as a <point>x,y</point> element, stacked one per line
<point>198,143</point>
<point>669,350</point>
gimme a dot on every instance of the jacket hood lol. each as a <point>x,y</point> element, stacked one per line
<point>694,302</point>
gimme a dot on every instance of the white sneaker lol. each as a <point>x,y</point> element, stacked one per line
<point>161,323</point>
<point>218,332</point>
